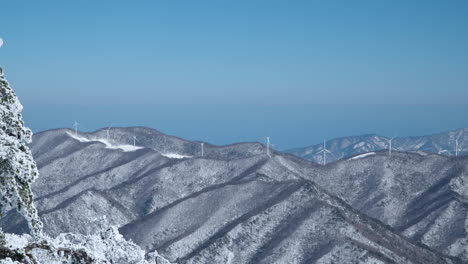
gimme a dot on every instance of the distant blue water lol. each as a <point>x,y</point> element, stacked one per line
<point>288,125</point>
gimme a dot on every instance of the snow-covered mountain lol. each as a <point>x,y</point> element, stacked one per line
<point>238,205</point>
<point>414,193</point>
<point>442,143</point>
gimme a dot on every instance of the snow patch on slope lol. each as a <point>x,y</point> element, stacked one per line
<point>460,246</point>
<point>361,144</point>
<point>16,241</point>
<point>362,155</point>
<point>391,207</point>
<point>124,147</point>
<point>175,156</point>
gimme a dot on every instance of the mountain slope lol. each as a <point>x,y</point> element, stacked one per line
<point>443,143</point>
<point>238,203</point>
<point>411,192</point>
<point>293,222</point>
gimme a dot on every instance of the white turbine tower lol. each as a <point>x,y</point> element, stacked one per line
<point>202,150</point>
<point>75,125</point>
<point>458,147</point>
<point>325,151</point>
<point>108,133</point>
<point>268,146</point>
<point>390,145</point>
<point>134,140</point>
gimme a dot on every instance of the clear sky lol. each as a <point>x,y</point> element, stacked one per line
<point>225,71</point>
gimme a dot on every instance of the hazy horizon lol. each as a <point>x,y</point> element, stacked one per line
<point>288,126</point>
<point>230,71</point>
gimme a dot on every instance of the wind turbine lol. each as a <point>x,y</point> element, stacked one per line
<point>202,144</point>
<point>268,146</point>
<point>75,125</point>
<point>108,133</point>
<point>324,151</point>
<point>390,145</point>
<point>134,140</point>
<point>457,148</point>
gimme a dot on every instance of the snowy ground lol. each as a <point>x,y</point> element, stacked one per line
<point>108,144</point>
<point>175,156</point>
<point>362,155</point>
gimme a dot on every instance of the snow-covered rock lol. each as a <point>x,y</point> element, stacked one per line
<point>17,167</point>
<point>106,246</point>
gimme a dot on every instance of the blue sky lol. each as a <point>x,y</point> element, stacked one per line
<point>226,71</point>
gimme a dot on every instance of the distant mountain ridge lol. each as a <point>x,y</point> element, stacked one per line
<point>161,143</point>
<point>238,205</point>
<point>441,143</point>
